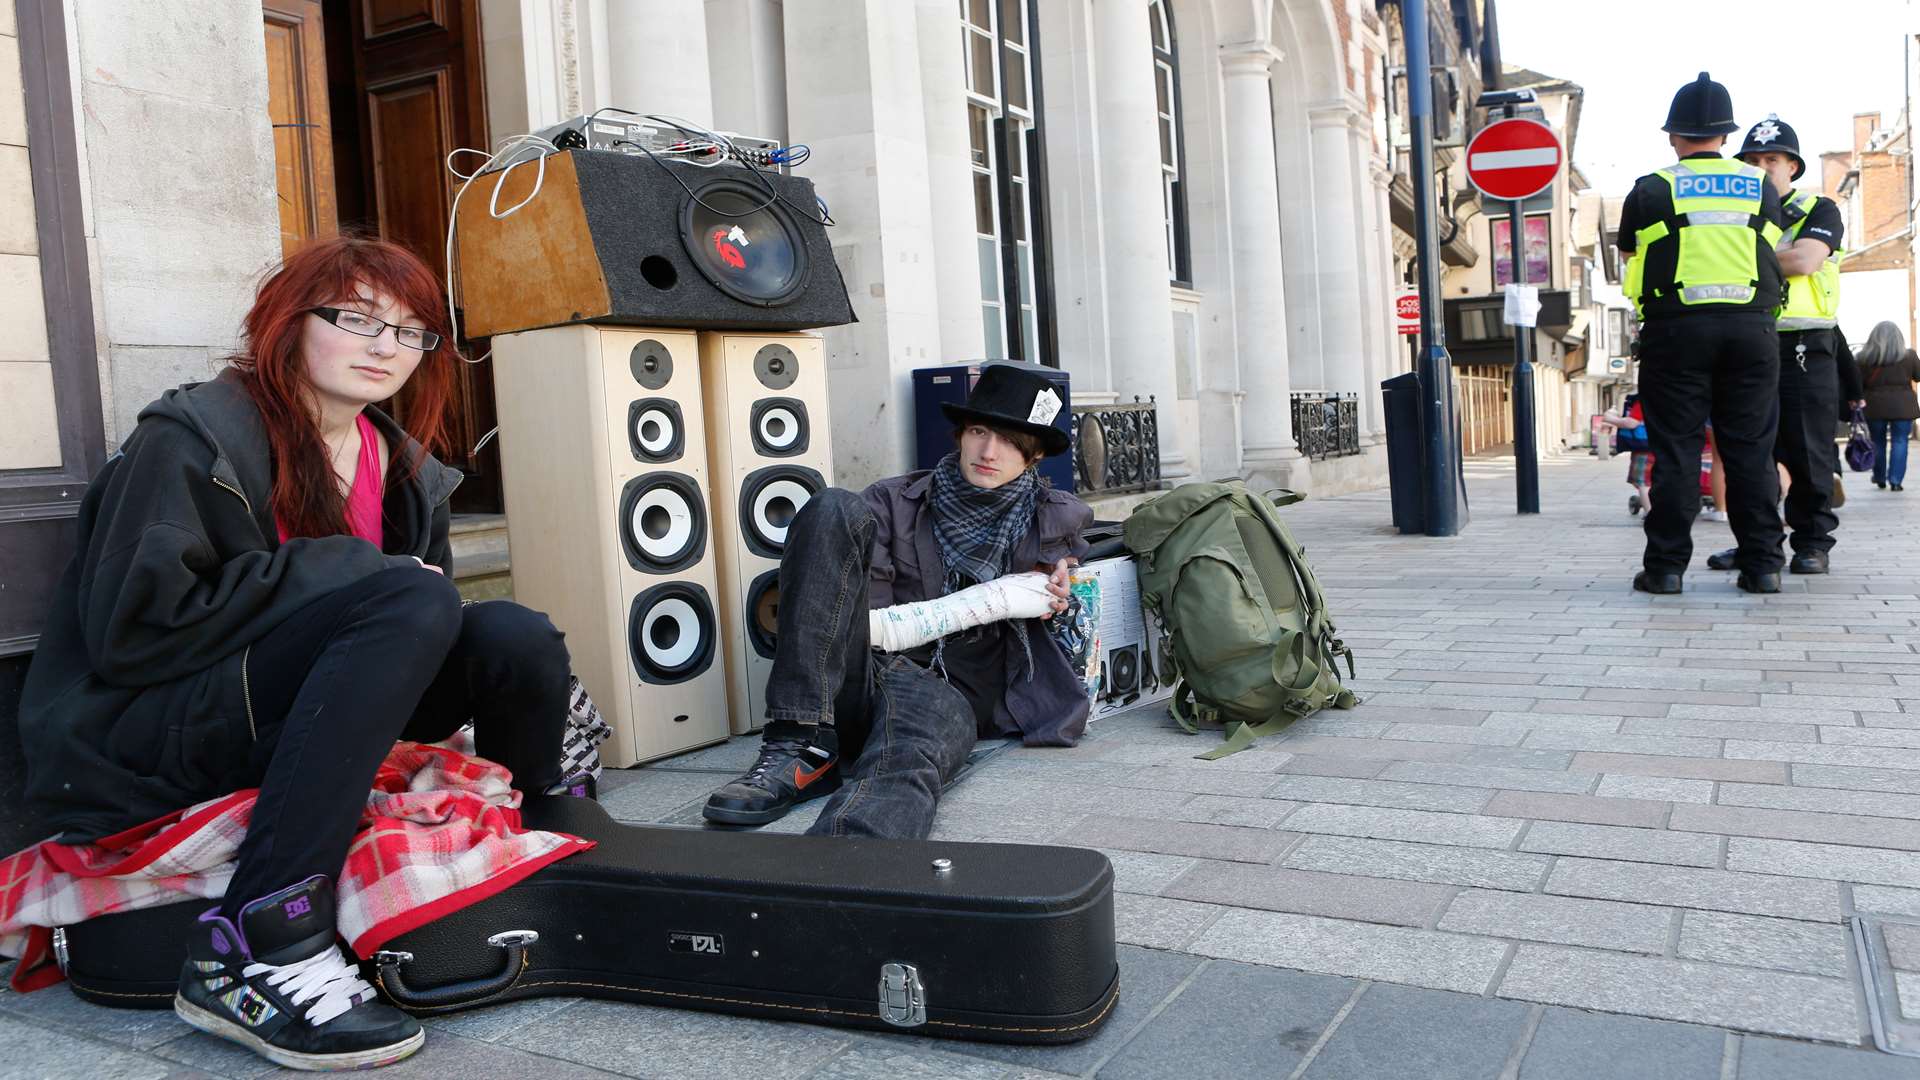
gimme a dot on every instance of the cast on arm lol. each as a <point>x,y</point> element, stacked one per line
<point>906,626</point>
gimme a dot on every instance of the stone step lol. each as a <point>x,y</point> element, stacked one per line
<point>482,566</point>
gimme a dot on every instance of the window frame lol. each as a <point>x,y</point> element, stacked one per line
<point>1023,309</point>
<point>1173,178</point>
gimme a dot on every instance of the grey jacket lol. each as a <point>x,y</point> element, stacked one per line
<point>1051,708</point>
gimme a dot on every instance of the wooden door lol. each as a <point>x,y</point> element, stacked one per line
<point>302,128</point>
<point>420,90</point>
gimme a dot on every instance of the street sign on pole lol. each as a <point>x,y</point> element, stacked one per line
<point>1513,159</point>
<point>1406,313</point>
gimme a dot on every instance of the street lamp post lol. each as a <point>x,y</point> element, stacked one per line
<point>1439,477</point>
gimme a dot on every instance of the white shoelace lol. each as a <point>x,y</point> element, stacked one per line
<point>325,979</point>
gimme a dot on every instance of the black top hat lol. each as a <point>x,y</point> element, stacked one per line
<point>1701,109</point>
<point>1008,396</point>
<point>1776,134</point>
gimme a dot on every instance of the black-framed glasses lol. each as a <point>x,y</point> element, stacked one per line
<point>356,322</point>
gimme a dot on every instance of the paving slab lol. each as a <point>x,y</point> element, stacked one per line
<point>1179,838</point>
<point>1366,899</point>
<point>1490,776</point>
<point>1691,887</point>
<point>1871,866</point>
<point>1655,788</point>
<point>1284,1013</point>
<point>644,1040</point>
<point>1396,1033</point>
<point>1755,941</point>
<point>1363,950</point>
<point>1436,863</point>
<point>1467,830</point>
<point>1570,1045</point>
<point>1776,1003</point>
<point>1879,832</point>
<point>1624,844</point>
<point>1406,796</point>
<point>1759,772</point>
<point>1777,1059</point>
<point>1593,810</point>
<point>1601,924</point>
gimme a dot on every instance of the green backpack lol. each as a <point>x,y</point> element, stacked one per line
<point>1245,636</point>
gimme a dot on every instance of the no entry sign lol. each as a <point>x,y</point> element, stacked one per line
<point>1513,159</point>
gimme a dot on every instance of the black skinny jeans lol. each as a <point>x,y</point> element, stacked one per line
<point>392,656</point>
<point>903,732</point>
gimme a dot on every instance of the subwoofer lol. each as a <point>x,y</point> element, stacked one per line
<point>603,450</point>
<point>770,450</point>
<point>1122,672</point>
<point>617,238</point>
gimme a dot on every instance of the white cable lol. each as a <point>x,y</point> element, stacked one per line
<point>508,148</point>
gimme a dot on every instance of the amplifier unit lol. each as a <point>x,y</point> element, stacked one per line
<point>627,134</point>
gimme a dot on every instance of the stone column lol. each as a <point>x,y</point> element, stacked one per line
<point>657,58</point>
<point>854,95</point>
<point>1259,291</point>
<point>1338,189</point>
<point>746,51</point>
<point>1133,222</point>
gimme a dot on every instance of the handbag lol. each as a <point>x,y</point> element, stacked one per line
<point>1859,444</point>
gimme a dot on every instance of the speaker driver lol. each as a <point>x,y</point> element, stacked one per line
<point>779,427</point>
<point>775,366</point>
<point>670,632</point>
<point>656,431</point>
<point>770,499</point>
<point>745,241</point>
<point>1123,671</point>
<point>651,364</point>
<point>763,613</point>
<point>663,522</point>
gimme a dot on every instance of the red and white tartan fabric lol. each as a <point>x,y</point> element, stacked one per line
<point>441,830</point>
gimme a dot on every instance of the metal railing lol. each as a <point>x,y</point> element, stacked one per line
<point>1116,448</point>
<point>1326,424</point>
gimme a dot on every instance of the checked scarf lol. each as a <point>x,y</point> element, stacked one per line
<point>976,529</point>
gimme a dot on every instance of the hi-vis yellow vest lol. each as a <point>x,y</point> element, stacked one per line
<point>1813,300</point>
<point>1716,215</point>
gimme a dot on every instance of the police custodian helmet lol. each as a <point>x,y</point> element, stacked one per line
<point>1774,133</point>
<point>1701,110</point>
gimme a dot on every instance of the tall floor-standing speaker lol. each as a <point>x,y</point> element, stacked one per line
<point>766,401</point>
<point>604,458</point>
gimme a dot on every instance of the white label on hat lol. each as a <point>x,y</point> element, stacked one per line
<point>1046,406</point>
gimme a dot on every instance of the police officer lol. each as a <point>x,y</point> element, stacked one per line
<point>1701,271</point>
<point>1809,255</point>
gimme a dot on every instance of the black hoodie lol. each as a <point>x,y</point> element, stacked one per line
<point>136,703</point>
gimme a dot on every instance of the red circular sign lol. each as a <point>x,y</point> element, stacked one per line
<point>1513,159</point>
<point>1408,306</point>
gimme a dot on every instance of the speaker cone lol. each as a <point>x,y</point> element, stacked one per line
<point>770,499</point>
<point>656,431</point>
<point>763,613</point>
<point>1123,671</point>
<point>779,427</point>
<point>663,522</point>
<point>670,632</point>
<point>745,241</point>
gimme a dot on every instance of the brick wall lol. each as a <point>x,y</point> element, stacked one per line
<point>1883,197</point>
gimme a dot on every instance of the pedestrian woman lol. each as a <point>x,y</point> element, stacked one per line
<point>259,599</point>
<point>1888,370</point>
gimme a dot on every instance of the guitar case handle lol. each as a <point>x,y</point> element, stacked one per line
<point>516,946</point>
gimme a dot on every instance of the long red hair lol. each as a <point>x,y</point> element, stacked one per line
<point>306,498</point>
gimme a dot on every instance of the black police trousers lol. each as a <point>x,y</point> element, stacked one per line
<point>1723,367</point>
<point>1809,402</point>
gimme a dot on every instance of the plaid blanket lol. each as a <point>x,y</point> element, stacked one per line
<point>441,830</point>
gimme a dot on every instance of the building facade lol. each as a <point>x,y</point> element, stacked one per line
<point>1872,182</point>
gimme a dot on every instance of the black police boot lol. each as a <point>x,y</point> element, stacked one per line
<point>1809,562</point>
<point>1722,560</point>
<point>1659,584</point>
<point>1748,581</point>
<point>790,771</point>
<point>277,984</point>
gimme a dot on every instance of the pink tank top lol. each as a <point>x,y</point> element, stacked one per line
<point>368,493</point>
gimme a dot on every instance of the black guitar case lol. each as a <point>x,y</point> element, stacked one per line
<point>993,942</point>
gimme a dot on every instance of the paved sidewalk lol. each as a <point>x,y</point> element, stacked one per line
<point>1573,831</point>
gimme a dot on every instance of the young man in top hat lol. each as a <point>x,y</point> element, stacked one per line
<point>912,622</point>
<point>1699,235</point>
<point>1809,253</point>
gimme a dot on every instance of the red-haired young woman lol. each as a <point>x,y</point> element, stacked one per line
<point>260,598</point>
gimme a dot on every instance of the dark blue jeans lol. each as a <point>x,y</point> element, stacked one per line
<point>1890,450</point>
<point>903,731</point>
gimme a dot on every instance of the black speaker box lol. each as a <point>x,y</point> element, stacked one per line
<point>632,240</point>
